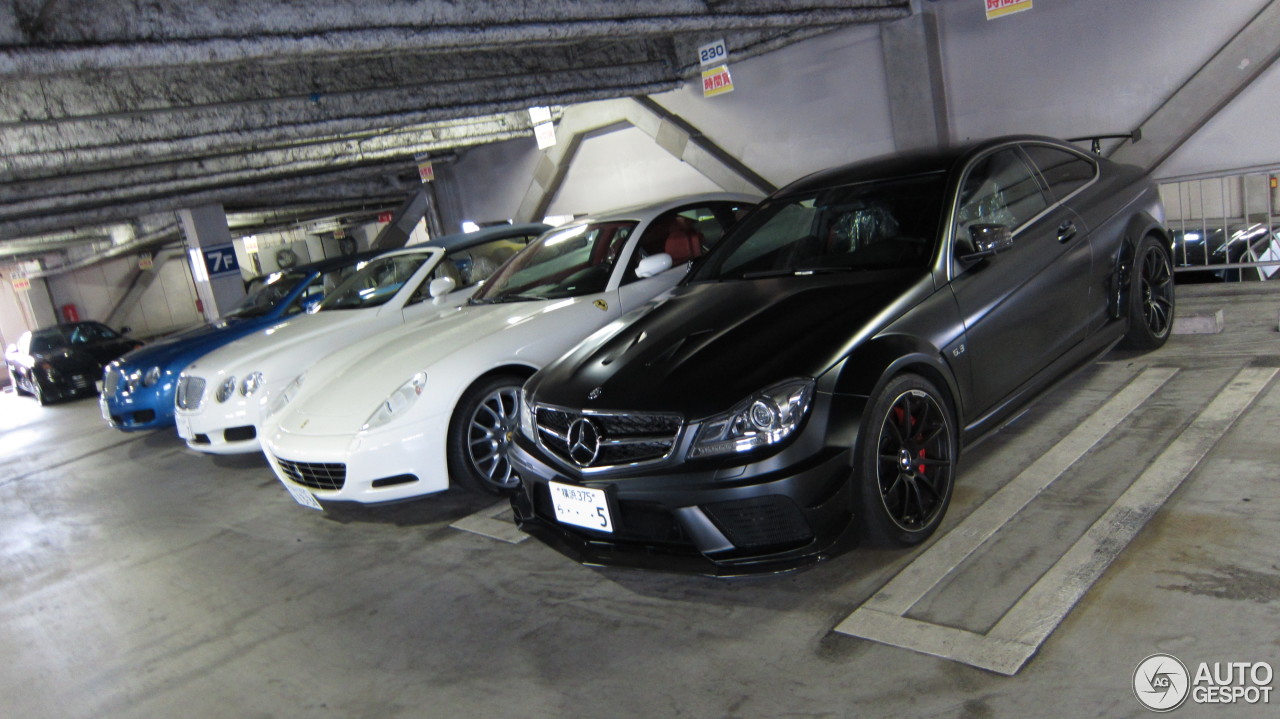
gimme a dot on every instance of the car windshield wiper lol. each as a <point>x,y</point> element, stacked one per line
<point>794,271</point>
<point>516,298</point>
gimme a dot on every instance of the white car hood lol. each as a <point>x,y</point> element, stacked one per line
<point>341,391</point>
<point>275,339</point>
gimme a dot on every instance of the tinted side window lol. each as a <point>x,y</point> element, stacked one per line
<point>1065,171</point>
<point>1002,190</point>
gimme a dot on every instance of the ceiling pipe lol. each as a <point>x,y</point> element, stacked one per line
<point>50,60</point>
<point>416,104</point>
<point>352,182</point>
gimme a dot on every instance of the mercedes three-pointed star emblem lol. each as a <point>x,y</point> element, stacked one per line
<point>584,442</point>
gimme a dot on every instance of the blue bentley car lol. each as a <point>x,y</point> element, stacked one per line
<point>137,389</point>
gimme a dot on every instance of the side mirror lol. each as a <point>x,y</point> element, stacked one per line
<point>653,264</point>
<point>125,330</point>
<point>312,303</point>
<point>988,241</point>
<point>440,287</point>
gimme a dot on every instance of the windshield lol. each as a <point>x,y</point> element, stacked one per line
<point>888,224</point>
<point>263,299</point>
<point>565,262</point>
<point>375,283</point>
<point>48,340</point>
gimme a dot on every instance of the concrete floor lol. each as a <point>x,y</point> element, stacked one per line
<point>144,580</point>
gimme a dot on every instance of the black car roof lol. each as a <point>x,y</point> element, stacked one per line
<point>464,240</point>
<point>905,164</point>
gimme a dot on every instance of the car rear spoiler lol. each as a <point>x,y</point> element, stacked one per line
<point>1095,141</point>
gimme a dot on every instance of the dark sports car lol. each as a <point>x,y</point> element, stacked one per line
<point>64,361</point>
<point>813,379</point>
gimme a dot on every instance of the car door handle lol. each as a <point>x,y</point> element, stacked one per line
<point>1066,231</point>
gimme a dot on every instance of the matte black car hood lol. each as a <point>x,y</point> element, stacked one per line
<point>711,344</point>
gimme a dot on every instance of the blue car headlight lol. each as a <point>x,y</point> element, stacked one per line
<point>398,402</point>
<point>151,377</point>
<point>765,418</point>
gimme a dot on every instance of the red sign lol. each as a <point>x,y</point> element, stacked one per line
<point>1000,8</point>
<point>426,172</point>
<point>384,217</point>
<point>716,81</point>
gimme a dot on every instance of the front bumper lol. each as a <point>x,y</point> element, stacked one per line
<point>388,466</point>
<point>701,521</point>
<point>220,429</point>
<point>142,409</point>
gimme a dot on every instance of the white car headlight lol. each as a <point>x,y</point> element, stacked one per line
<point>397,402</point>
<point>226,390</point>
<point>152,376</point>
<point>250,384</point>
<point>286,395</point>
<point>766,417</point>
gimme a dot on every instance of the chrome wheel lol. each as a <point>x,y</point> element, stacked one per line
<point>915,461</point>
<point>1155,282</point>
<point>489,433</point>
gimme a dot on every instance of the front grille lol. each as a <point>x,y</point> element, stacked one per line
<point>190,392</point>
<point>619,438</point>
<point>315,475</point>
<point>110,382</point>
<point>769,521</point>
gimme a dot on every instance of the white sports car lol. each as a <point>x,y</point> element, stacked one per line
<point>220,396</point>
<point>402,413</point>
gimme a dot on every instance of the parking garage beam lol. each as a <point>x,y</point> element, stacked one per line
<point>219,285</point>
<point>1232,69</point>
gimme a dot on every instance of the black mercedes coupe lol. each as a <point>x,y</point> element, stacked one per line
<point>65,360</point>
<point>814,378</point>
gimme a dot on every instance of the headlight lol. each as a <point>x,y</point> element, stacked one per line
<point>398,402</point>
<point>765,418</point>
<point>286,395</point>
<point>526,416</point>
<point>250,384</point>
<point>152,376</point>
<point>227,389</point>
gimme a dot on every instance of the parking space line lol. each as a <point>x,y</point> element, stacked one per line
<point>1017,636</point>
<point>932,566</point>
<point>486,524</point>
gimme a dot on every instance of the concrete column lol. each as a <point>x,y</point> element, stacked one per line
<point>913,73</point>
<point>214,268</point>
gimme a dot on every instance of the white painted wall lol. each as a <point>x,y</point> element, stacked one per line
<point>1081,67</point>
<point>1064,68</point>
<point>622,169</point>
<point>168,304</point>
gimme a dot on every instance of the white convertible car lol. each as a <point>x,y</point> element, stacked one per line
<point>402,413</point>
<point>219,398</point>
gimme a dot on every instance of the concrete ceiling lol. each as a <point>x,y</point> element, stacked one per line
<point>115,110</point>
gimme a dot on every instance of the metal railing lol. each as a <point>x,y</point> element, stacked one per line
<point>1225,228</point>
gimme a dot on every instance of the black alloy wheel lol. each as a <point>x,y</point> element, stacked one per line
<point>480,435</point>
<point>1151,301</point>
<point>908,460</point>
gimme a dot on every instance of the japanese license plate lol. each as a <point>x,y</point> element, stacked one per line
<point>184,427</point>
<point>303,497</point>
<point>106,411</point>
<point>581,506</point>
